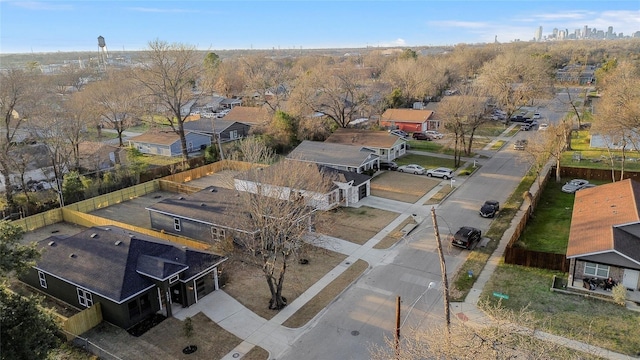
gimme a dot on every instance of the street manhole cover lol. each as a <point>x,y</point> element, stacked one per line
<point>355,333</point>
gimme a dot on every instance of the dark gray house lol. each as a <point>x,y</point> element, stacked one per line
<point>225,130</point>
<point>209,215</point>
<point>167,143</point>
<point>132,275</point>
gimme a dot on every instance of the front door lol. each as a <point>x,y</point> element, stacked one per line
<point>630,279</point>
<point>176,294</point>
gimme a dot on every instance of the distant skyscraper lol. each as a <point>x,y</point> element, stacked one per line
<point>539,33</point>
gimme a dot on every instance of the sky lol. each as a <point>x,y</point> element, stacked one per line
<point>56,25</point>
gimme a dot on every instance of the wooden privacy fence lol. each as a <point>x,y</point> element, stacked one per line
<point>518,256</point>
<point>116,197</point>
<point>83,321</point>
<point>537,259</point>
<point>88,220</point>
<point>209,169</point>
<point>177,187</point>
<point>40,220</point>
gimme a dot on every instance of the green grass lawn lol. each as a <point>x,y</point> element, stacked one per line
<point>593,321</point>
<point>548,230</point>
<point>597,158</point>
<point>427,162</point>
<point>430,146</point>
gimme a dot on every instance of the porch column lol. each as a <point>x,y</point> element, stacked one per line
<point>216,286</point>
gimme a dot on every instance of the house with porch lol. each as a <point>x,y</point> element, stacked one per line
<point>167,143</point>
<point>132,275</point>
<point>355,158</point>
<point>384,144</point>
<point>604,238</point>
<point>409,120</point>
<point>344,188</point>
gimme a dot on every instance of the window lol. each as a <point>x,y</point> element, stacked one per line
<point>176,224</point>
<point>217,234</point>
<point>84,297</point>
<point>598,270</point>
<point>174,279</point>
<point>233,134</point>
<point>43,280</point>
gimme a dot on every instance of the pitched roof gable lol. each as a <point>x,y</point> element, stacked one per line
<point>407,115</point>
<point>248,115</point>
<point>331,154</point>
<point>112,262</point>
<point>368,138</point>
<point>597,212</point>
<point>157,137</point>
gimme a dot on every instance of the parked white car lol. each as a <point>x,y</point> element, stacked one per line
<point>543,127</point>
<point>434,134</point>
<point>441,172</point>
<point>412,168</point>
<point>574,185</point>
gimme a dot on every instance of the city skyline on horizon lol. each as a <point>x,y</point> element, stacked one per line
<point>60,26</point>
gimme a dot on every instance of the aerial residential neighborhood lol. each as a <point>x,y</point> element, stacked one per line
<point>372,202</point>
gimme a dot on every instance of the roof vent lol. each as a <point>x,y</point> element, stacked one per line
<point>93,235</point>
<point>180,198</point>
<point>131,236</point>
<point>107,229</point>
<point>117,243</point>
<point>72,255</point>
<point>52,243</point>
<point>184,247</point>
<point>203,204</point>
<point>213,190</point>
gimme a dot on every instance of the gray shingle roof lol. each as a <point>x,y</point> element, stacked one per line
<point>214,206</point>
<point>204,125</point>
<point>112,262</point>
<point>331,154</point>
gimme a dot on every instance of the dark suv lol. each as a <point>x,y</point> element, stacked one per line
<point>466,237</point>
<point>421,136</point>
<point>388,165</point>
<point>489,208</point>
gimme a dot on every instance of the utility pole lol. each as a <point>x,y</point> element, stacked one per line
<point>443,269</point>
<point>397,334</point>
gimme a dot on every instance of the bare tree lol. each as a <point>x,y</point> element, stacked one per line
<point>500,338</point>
<point>618,115</point>
<point>115,100</point>
<point>18,95</point>
<point>462,116</point>
<point>268,79</point>
<point>337,93</point>
<point>279,202</point>
<point>80,117</point>
<point>516,79</point>
<point>169,73</point>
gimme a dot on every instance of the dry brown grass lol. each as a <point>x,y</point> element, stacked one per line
<point>439,196</point>
<point>248,285</point>
<point>394,236</point>
<point>309,310</point>
<point>401,187</point>
<point>166,340</point>
<point>356,225</point>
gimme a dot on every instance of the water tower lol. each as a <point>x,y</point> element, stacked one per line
<point>102,51</point>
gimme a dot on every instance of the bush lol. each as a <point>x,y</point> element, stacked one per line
<point>619,293</point>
